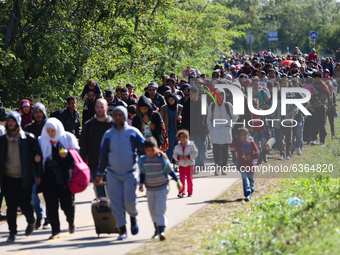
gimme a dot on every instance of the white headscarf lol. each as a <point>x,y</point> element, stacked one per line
<point>67,139</point>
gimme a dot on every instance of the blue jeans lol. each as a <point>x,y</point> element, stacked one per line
<point>248,183</point>
<point>201,145</point>
<point>331,115</point>
<point>260,140</point>
<point>37,206</point>
<point>172,143</point>
<point>298,135</point>
<point>99,190</point>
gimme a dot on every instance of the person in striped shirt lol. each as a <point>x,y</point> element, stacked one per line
<point>154,171</point>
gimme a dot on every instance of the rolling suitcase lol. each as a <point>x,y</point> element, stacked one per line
<point>104,220</point>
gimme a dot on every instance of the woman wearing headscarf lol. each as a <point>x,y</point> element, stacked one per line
<point>57,172</point>
<point>171,114</point>
<point>25,110</point>
<point>149,122</point>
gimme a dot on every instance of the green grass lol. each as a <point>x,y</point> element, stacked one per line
<point>271,226</point>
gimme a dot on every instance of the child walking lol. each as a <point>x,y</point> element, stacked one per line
<point>246,151</point>
<point>185,153</point>
<point>154,172</point>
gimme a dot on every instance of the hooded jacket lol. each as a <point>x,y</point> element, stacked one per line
<point>155,118</point>
<point>119,148</point>
<point>34,127</point>
<point>189,150</point>
<point>26,118</point>
<point>165,114</point>
<point>220,133</point>
<point>70,120</point>
<point>28,147</point>
<point>159,100</point>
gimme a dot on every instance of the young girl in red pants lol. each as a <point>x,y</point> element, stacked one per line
<point>185,153</point>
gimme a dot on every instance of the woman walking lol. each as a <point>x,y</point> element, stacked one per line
<point>57,172</point>
<point>171,114</point>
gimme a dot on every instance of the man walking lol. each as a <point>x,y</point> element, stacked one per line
<point>18,153</point>
<point>91,137</point>
<point>35,127</point>
<point>119,149</point>
<point>69,117</point>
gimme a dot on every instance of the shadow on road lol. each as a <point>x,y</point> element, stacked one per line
<point>217,201</point>
<point>74,244</point>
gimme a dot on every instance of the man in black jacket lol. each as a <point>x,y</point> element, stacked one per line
<point>38,120</point>
<point>91,137</point>
<point>69,116</point>
<point>35,127</point>
<point>19,151</point>
<point>127,98</point>
<point>113,101</point>
<point>88,110</point>
<point>157,99</point>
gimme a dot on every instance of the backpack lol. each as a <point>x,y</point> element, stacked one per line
<point>226,107</point>
<point>165,145</point>
<point>81,174</point>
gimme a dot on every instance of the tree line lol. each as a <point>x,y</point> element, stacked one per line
<point>50,48</point>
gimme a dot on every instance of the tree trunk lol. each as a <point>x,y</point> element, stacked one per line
<point>12,26</point>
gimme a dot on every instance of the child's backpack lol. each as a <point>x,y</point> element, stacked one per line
<point>81,174</point>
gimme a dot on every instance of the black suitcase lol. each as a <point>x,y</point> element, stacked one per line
<point>104,220</point>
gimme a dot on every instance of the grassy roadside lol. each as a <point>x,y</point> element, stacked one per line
<point>268,225</point>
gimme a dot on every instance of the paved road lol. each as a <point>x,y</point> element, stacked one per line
<point>85,241</point>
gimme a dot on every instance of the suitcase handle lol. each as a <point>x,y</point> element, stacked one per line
<point>95,192</point>
<point>100,184</point>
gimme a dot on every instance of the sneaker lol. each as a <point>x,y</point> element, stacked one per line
<point>54,236</point>
<point>38,222</point>
<point>322,144</point>
<point>299,152</point>
<point>122,237</point>
<point>71,228</point>
<point>288,157</point>
<point>122,233</point>
<point>134,226</point>
<point>247,199</point>
<point>180,195</point>
<point>162,236</point>
<point>156,234</point>
<point>29,229</point>
<point>315,142</point>
<point>189,195</point>
<point>281,157</point>
<point>11,239</point>
<point>47,225</point>
<point>3,217</point>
